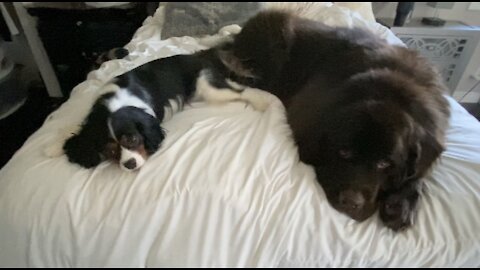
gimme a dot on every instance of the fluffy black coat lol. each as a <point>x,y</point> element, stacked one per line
<point>370,117</point>
<point>145,94</point>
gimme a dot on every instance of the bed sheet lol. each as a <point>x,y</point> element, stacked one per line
<point>225,189</point>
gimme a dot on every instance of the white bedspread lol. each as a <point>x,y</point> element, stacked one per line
<point>225,189</point>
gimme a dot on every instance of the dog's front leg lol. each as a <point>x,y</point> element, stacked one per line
<point>398,206</point>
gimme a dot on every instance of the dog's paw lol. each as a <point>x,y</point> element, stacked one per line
<point>84,161</point>
<point>56,149</point>
<point>397,212</point>
<point>259,99</point>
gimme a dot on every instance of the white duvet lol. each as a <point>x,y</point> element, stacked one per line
<point>225,189</point>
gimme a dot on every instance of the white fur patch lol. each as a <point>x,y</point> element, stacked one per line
<point>235,85</point>
<point>110,128</point>
<point>126,155</point>
<point>212,94</point>
<point>259,99</point>
<point>124,98</point>
<point>173,107</point>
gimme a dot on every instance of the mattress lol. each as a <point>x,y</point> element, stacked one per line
<point>226,189</point>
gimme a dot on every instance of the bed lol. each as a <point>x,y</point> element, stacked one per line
<point>226,189</point>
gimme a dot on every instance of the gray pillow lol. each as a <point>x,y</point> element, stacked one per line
<point>204,18</point>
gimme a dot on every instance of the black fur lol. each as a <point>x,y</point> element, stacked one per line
<point>155,83</point>
<point>370,117</point>
<point>129,121</point>
<point>86,147</point>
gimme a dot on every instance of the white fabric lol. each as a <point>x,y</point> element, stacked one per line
<point>225,189</point>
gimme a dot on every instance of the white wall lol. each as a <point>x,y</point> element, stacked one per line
<point>458,12</point>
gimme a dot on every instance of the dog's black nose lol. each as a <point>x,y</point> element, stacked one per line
<point>130,164</point>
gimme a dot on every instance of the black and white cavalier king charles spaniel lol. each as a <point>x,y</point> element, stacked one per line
<point>124,124</point>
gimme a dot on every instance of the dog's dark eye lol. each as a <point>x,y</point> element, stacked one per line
<point>111,150</point>
<point>346,154</point>
<point>382,164</point>
<point>132,140</point>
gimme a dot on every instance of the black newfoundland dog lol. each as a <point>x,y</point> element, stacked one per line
<point>370,117</point>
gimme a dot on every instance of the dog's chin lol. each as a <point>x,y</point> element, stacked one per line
<point>359,217</point>
<point>358,214</point>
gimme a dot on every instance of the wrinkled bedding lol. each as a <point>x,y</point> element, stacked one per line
<point>225,189</point>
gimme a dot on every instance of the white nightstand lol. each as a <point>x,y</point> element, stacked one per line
<point>449,47</point>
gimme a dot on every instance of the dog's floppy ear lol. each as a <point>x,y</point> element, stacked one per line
<point>81,149</point>
<point>424,150</point>
<point>152,133</point>
<point>84,148</point>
